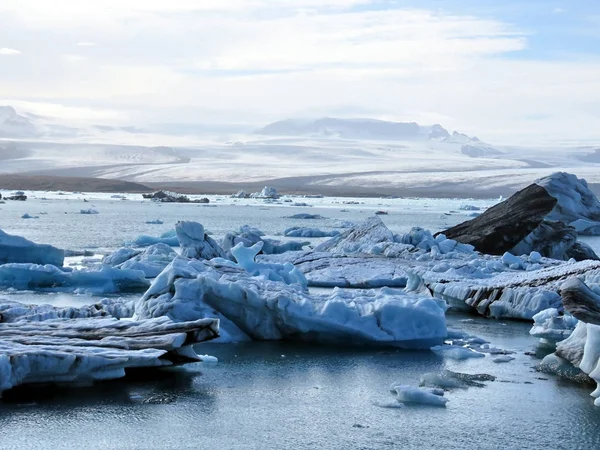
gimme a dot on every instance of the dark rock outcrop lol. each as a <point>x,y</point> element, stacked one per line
<point>580,301</point>
<point>519,225</point>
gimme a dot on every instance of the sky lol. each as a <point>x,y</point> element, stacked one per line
<point>510,70</point>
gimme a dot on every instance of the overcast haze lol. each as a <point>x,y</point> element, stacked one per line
<point>509,71</point>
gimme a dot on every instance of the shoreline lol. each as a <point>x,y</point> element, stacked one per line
<point>289,186</point>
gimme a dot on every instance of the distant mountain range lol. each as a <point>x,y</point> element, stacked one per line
<point>362,129</point>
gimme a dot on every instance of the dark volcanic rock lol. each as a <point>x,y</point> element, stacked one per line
<point>518,225</point>
<point>503,226</point>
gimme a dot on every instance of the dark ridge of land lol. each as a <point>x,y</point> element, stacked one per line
<point>71,184</point>
<point>292,185</point>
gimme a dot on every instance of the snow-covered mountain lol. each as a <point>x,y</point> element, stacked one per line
<point>13,125</point>
<point>335,155</point>
<point>353,129</point>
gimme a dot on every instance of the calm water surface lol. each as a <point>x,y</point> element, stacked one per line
<point>286,396</point>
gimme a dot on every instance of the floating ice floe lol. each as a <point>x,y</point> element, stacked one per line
<point>510,293</point>
<point>306,216</point>
<point>262,309</point>
<point>248,236</point>
<point>12,311</point>
<point>195,243</point>
<point>576,204</point>
<point>419,395</point>
<point>49,278</point>
<point>581,350</point>
<point>551,326</point>
<point>168,238</point>
<point>16,249</point>
<point>309,232</point>
<point>267,192</point>
<point>456,352</point>
<point>151,260</point>
<point>76,350</point>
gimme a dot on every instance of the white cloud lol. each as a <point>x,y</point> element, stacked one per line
<point>261,60</point>
<point>9,51</point>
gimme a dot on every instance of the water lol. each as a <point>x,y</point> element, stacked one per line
<point>282,395</point>
<point>286,396</point>
<point>61,224</point>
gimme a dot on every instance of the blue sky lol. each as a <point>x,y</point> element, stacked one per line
<point>510,70</point>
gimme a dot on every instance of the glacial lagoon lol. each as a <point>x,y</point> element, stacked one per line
<point>284,395</point>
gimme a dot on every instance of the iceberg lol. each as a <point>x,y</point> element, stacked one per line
<point>581,350</point>
<point>420,395</point>
<point>16,249</point>
<point>500,291</point>
<point>249,236</point>
<point>48,278</point>
<point>168,238</point>
<point>195,243</point>
<point>309,232</point>
<point>151,260</point>
<point>267,192</point>
<point>84,350</point>
<point>550,326</point>
<point>263,309</point>
<point>576,205</point>
<point>541,217</point>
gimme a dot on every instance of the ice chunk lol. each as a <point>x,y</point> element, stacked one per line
<point>550,325</point>
<point>169,238</point>
<point>503,359</point>
<point>151,261</point>
<point>285,273</point>
<point>309,232</point>
<point>271,310</point>
<point>576,203</point>
<point>195,243</point>
<point>423,396</point>
<point>456,352</point>
<point>16,249</point>
<point>101,280</point>
<point>94,349</point>
<point>249,236</point>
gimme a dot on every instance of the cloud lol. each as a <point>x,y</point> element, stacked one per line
<point>261,60</point>
<point>9,51</point>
